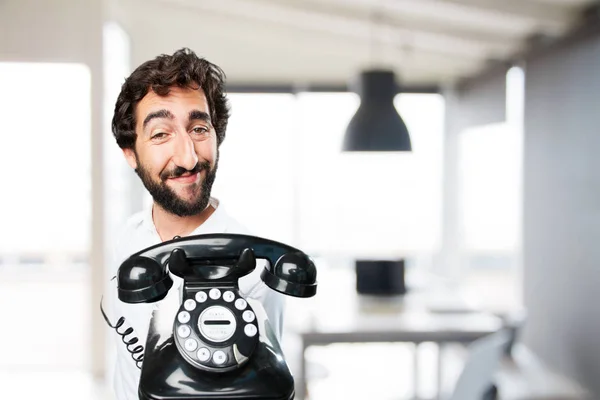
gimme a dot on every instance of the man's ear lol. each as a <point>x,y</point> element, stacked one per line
<point>130,157</point>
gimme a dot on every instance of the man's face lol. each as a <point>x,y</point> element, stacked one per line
<point>176,152</point>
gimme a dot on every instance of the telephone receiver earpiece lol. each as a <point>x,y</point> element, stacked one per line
<point>142,280</point>
<point>294,274</point>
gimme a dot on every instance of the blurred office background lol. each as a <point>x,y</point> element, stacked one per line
<point>496,210</point>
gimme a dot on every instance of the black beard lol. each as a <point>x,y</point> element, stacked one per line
<point>165,197</point>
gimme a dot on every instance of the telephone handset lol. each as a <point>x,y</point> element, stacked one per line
<point>215,328</point>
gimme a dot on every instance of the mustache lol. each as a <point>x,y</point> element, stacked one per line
<point>179,171</point>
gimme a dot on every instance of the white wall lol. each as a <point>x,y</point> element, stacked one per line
<point>51,31</point>
<point>562,209</point>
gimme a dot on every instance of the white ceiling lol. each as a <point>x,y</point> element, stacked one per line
<point>300,42</point>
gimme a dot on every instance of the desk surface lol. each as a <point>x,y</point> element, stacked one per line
<point>338,314</point>
<point>427,313</point>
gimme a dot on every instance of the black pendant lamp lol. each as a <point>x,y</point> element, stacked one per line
<point>377,126</point>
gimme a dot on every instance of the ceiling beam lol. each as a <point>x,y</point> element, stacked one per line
<point>585,24</point>
<point>392,13</point>
<point>314,88</point>
<point>284,49</point>
<point>352,27</point>
<point>481,18</point>
<point>548,15</point>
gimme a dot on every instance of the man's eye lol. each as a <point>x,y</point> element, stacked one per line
<point>200,130</point>
<point>159,135</point>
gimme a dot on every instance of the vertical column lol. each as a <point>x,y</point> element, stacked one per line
<point>448,261</point>
<point>95,18</point>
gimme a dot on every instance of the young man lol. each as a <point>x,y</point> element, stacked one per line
<point>170,119</point>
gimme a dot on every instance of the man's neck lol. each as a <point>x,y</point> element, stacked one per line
<point>170,225</point>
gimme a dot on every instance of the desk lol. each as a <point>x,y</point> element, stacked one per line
<point>338,315</point>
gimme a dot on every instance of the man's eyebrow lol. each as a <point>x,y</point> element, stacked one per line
<point>201,115</point>
<point>157,114</point>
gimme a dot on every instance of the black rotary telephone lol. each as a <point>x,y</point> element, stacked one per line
<point>217,345</point>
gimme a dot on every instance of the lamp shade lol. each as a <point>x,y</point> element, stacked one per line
<point>376,126</point>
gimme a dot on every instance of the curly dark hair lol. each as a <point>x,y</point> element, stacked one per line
<point>183,69</point>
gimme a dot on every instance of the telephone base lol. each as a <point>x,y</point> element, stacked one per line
<point>166,375</point>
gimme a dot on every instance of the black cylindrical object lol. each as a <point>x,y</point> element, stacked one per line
<point>380,277</point>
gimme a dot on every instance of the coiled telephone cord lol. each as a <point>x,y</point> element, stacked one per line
<point>137,352</point>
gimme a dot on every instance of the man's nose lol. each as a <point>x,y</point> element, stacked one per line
<point>185,154</point>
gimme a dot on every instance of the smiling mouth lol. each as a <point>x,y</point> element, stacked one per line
<point>186,178</point>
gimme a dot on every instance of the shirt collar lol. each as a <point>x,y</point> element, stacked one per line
<point>216,223</point>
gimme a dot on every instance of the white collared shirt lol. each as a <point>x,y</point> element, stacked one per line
<point>139,233</point>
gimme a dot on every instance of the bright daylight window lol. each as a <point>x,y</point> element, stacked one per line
<point>45,213</point>
<point>296,186</point>
<point>490,204</point>
<point>255,179</point>
<point>46,154</point>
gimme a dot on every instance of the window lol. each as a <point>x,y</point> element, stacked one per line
<point>490,169</point>
<point>296,186</point>
<point>490,205</point>
<point>45,152</point>
<point>255,180</point>
<point>45,213</point>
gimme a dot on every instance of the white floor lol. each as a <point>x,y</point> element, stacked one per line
<point>30,384</point>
